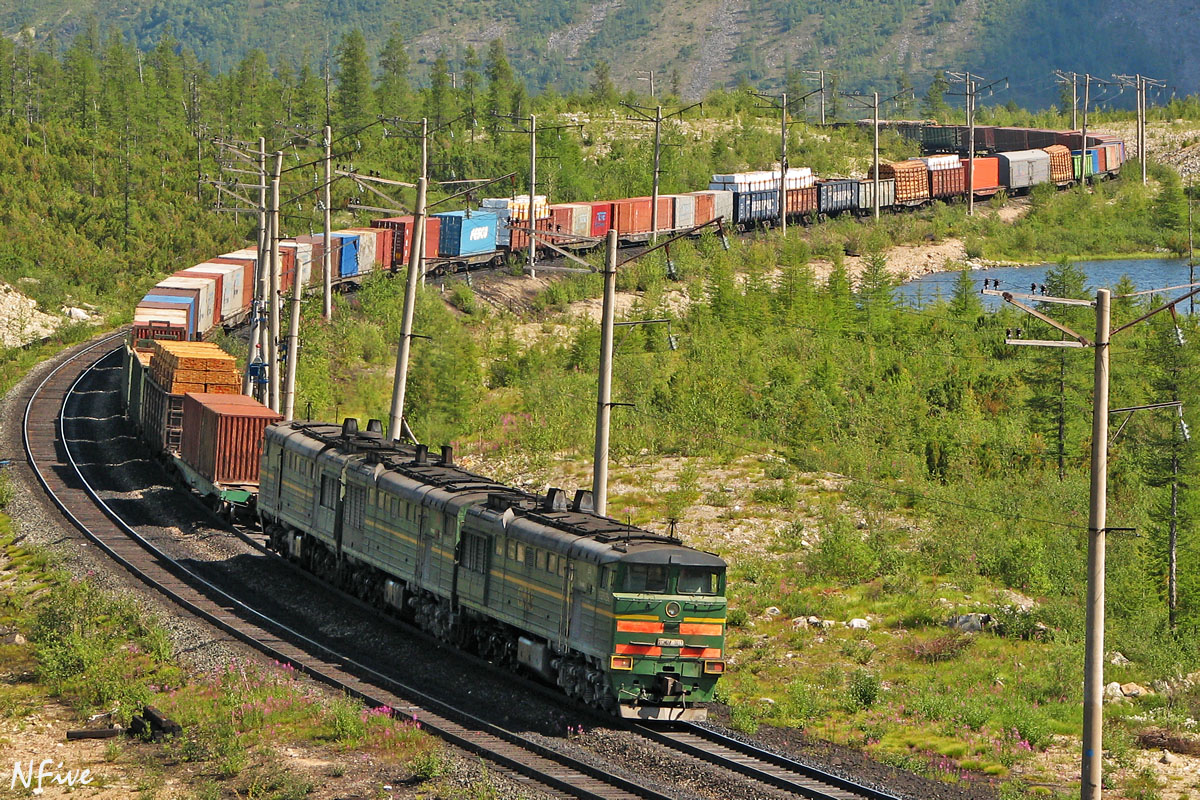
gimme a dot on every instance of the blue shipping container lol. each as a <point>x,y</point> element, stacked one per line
<point>188,302</point>
<point>755,207</point>
<point>461,235</point>
<point>348,264</point>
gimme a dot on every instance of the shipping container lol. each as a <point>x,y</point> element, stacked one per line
<point>705,207</point>
<point>631,215</point>
<point>402,233</point>
<point>222,436</point>
<point>368,245</point>
<point>162,417</point>
<point>762,180</point>
<point>866,195</point>
<point>347,251</point>
<point>167,319</point>
<point>985,175</point>
<point>236,291</point>
<point>519,240</point>
<point>911,180</point>
<point>836,196</point>
<point>756,208</point>
<point>462,235</point>
<point>685,211</point>
<point>602,217</point>
<point>206,298</point>
<point>723,206</point>
<point>218,279</point>
<point>181,298</point>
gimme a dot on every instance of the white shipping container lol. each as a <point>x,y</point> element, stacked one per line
<point>176,317</point>
<point>206,317</point>
<point>304,262</point>
<point>367,245</point>
<point>723,206</point>
<point>685,211</point>
<point>232,286</point>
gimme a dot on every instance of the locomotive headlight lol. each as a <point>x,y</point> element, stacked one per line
<point>621,662</point>
<point>714,667</point>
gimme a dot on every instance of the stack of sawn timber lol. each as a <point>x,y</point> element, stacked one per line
<point>175,369</point>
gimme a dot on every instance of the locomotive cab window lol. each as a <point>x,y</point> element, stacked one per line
<point>646,578</point>
<point>698,580</point>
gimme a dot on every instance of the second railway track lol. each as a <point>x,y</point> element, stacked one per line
<point>48,435</point>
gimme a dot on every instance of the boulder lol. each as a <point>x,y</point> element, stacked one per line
<point>969,623</point>
<point>1168,758</point>
<point>828,623</point>
<point>15,638</point>
<point>1118,659</point>
<point>799,622</point>
<point>814,622</point>
<point>1134,690</point>
<point>773,611</point>
<point>859,624</point>
<point>1112,692</point>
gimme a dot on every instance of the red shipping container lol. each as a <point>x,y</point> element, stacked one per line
<point>562,219</point>
<point>223,435</point>
<point>402,228</point>
<point>602,217</point>
<point>287,269</point>
<point>946,183</point>
<point>632,215</point>
<point>705,206</point>
<point>520,238</point>
<point>218,312</point>
<point>985,178</point>
<point>802,201</point>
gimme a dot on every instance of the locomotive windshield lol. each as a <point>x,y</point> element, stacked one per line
<point>646,578</point>
<point>698,580</point>
<point>662,579</point>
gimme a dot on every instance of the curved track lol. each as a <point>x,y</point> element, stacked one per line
<point>50,458</point>
<point>53,463</point>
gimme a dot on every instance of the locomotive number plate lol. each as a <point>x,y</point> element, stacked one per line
<point>670,642</point>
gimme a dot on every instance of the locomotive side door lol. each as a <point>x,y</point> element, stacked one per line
<point>564,619</point>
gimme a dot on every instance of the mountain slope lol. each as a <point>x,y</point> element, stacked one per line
<point>691,45</point>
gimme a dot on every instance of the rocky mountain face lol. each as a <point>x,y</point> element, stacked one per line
<point>690,46</point>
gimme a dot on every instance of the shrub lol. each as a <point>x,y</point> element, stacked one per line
<point>940,648</point>
<point>863,690</point>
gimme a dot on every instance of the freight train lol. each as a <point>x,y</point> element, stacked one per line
<point>621,618</point>
<point>625,620</point>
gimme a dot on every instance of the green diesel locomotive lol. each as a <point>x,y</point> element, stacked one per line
<point>623,619</point>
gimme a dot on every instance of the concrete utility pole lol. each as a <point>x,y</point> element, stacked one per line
<point>875,152</point>
<point>1093,683</point>
<point>275,284</point>
<point>1072,78</point>
<point>783,125</point>
<point>861,102</point>
<point>1093,668</point>
<point>819,77</point>
<point>327,231</point>
<point>293,348</point>
<point>643,115</point>
<point>604,396</point>
<point>419,247</point>
<point>971,90</point>
<point>650,77</point>
<point>415,266</point>
<point>1085,163</point>
<point>532,191</point>
<point>249,386</point>
<point>1141,84</point>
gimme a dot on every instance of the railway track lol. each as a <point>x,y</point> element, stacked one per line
<point>47,434</point>
<point>47,448</point>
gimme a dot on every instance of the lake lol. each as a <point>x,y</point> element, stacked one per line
<point>1146,273</point>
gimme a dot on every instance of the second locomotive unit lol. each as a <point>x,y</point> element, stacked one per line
<point>624,619</point>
